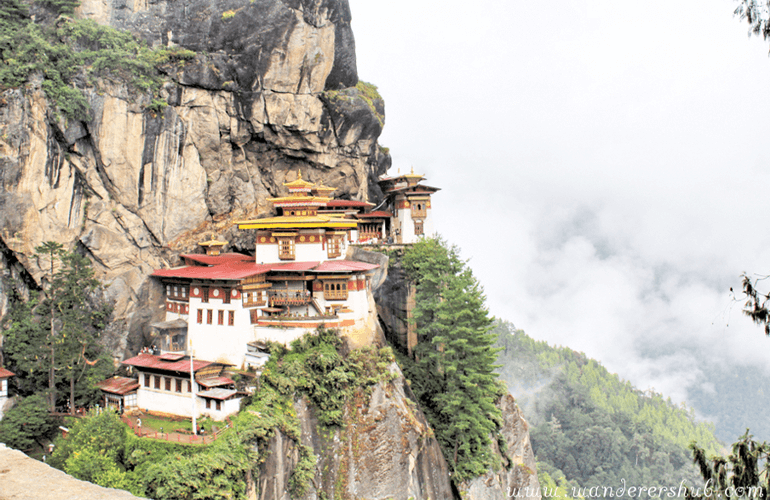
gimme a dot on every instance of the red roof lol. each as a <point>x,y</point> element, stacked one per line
<point>232,270</point>
<point>238,270</point>
<point>213,260</point>
<point>336,266</point>
<point>119,385</point>
<point>293,266</point>
<point>6,373</point>
<point>145,360</point>
<point>375,214</point>
<point>349,203</point>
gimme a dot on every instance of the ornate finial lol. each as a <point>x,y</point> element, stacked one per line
<point>299,174</point>
<point>413,169</point>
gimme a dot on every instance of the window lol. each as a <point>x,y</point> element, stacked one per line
<point>146,380</point>
<point>208,404</point>
<point>419,209</point>
<point>334,247</point>
<point>286,248</point>
<point>209,316</point>
<point>254,317</point>
<point>418,227</point>
<point>157,382</point>
<point>221,318</point>
<point>176,291</point>
<point>226,296</point>
<point>178,385</point>
<point>205,294</point>
<point>219,405</point>
<point>200,316</point>
<point>335,290</point>
<point>231,318</point>
<point>168,290</point>
<point>168,383</point>
<point>184,291</point>
<point>188,386</point>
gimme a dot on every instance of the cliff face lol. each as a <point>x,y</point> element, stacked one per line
<point>272,90</point>
<point>386,450</point>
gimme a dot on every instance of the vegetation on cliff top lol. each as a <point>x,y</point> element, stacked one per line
<point>71,53</point>
<point>589,428</point>
<point>453,375</point>
<point>103,450</point>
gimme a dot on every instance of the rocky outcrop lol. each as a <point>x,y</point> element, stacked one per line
<point>518,479</point>
<point>24,478</point>
<point>385,450</point>
<point>272,90</point>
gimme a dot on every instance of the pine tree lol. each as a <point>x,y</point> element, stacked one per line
<point>454,370</point>
<point>59,334</point>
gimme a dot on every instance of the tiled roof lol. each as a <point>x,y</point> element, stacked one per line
<point>293,266</point>
<point>337,266</point>
<point>6,373</point>
<point>215,381</point>
<point>212,260</point>
<point>119,385</point>
<point>217,393</point>
<point>240,270</point>
<point>375,214</point>
<point>349,203</point>
<point>155,362</point>
<point>228,271</point>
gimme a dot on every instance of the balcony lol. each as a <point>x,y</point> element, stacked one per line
<point>289,297</point>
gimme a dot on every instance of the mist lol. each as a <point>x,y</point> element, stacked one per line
<point>602,167</point>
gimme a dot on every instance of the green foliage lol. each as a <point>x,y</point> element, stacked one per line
<point>314,367</point>
<point>62,6</point>
<point>745,473</point>
<point>453,376</point>
<point>591,426</point>
<point>52,344</point>
<point>27,423</point>
<point>77,48</point>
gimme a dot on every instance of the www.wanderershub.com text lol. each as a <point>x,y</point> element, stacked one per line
<point>680,491</point>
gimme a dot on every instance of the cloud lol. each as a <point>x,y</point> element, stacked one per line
<point>603,164</point>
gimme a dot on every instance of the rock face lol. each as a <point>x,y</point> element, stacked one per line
<point>385,450</point>
<point>272,90</point>
<point>519,479</point>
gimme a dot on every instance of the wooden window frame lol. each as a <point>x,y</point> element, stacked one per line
<point>147,379</point>
<point>157,382</point>
<point>226,296</point>
<point>178,385</point>
<point>220,317</point>
<point>200,316</point>
<point>204,294</point>
<point>167,383</point>
<point>209,316</point>
<point>230,318</point>
<point>286,248</point>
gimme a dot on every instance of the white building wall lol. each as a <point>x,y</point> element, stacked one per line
<point>180,403</point>
<point>3,395</point>
<point>267,253</point>
<point>215,342</point>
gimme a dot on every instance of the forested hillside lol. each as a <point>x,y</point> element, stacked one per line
<point>590,428</point>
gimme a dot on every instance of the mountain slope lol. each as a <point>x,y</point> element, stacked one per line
<point>594,428</point>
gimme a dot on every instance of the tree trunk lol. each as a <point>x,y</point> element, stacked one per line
<point>72,391</point>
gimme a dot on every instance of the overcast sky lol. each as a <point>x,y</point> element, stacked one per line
<point>603,165</point>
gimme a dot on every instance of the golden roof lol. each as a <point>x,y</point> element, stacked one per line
<point>299,222</point>
<point>322,190</point>
<point>299,183</point>
<point>213,242</point>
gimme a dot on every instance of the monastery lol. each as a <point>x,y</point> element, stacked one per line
<point>226,307</point>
